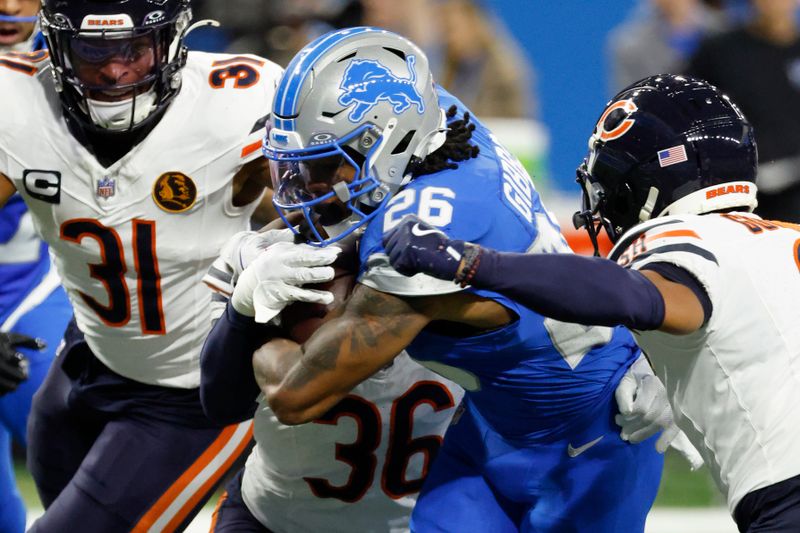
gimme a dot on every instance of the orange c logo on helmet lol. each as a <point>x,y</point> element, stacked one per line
<point>620,129</point>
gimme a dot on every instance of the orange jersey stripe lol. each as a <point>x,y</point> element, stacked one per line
<point>215,514</point>
<point>797,253</point>
<point>674,233</point>
<point>220,290</point>
<point>250,148</point>
<point>158,510</point>
<point>788,225</point>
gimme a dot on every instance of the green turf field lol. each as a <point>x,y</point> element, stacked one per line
<point>679,487</point>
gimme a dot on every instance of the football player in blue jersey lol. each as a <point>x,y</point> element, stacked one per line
<point>360,136</point>
<point>32,302</point>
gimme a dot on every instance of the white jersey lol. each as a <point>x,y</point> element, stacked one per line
<point>734,385</point>
<point>359,467</point>
<point>132,241</point>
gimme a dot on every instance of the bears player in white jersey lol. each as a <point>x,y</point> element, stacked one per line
<point>359,467</point>
<point>709,289</point>
<point>32,303</point>
<point>137,160</point>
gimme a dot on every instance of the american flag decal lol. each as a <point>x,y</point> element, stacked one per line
<point>672,156</point>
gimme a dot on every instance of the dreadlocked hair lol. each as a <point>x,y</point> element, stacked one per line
<point>457,147</point>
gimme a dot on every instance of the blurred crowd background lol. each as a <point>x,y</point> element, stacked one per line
<point>539,72</point>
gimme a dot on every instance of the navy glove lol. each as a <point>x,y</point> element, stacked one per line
<point>14,365</point>
<point>414,246</point>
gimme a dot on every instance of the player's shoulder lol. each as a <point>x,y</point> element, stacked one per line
<point>689,242</point>
<point>24,75</point>
<point>226,99</point>
<point>236,83</point>
<point>679,233</point>
<point>239,71</point>
<point>29,98</point>
<point>440,200</point>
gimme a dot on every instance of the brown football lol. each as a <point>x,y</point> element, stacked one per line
<point>300,319</point>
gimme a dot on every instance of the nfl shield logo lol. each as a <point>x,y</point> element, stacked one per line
<point>106,187</point>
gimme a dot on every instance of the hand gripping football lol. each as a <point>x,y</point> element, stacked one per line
<point>301,319</point>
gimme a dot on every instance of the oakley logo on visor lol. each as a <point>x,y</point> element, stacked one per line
<point>93,22</point>
<point>62,21</point>
<point>154,17</point>
<point>321,138</point>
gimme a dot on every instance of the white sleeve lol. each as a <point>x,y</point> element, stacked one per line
<point>677,243</point>
<point>380,275</point>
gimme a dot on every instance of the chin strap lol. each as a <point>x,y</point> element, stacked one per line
<point>647,209</point>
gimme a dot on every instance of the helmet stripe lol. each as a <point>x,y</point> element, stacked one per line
<point>287,96</point>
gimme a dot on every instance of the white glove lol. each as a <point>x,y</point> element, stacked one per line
<point>644,411</point>
<point>273,279</point>
<point>643,406</point>
<point>238,252</point>
<point>689,452</point>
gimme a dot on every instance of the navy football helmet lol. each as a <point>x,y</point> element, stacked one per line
<point>116,63</point>
<point>666,145</point>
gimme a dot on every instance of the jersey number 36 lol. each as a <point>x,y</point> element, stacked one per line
<point>360,454</point>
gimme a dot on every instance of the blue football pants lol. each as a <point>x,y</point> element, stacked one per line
<point>590,480</point>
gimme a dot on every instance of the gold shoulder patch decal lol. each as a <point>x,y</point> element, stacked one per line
<point>174,192</point>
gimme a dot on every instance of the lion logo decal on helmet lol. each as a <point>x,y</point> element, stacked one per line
<point>366,82</point>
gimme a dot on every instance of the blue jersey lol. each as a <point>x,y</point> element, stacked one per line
<point>536,378</point>
<point>24,260</point>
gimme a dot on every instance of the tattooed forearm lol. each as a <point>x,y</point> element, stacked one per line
<point>343,352</point>
<point>371,323</point>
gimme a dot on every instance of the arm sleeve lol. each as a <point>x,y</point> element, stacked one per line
<point>228,388</point>
<point>680,275</point>
<point>571,288</point>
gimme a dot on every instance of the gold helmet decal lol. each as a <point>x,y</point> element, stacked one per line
<point>174,192</point>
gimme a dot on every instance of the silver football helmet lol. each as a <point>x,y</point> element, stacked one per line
<point>350,112</point>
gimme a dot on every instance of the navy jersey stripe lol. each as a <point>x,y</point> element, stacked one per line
<point>683,247</point>
<point>623,245</point>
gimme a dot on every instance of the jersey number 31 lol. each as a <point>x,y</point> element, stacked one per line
<point>111,272</point>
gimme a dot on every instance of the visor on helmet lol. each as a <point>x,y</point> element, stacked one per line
<point>325,182</point>
<point>113,68</point>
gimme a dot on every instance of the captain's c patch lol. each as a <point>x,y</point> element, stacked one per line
<point>44,185</point>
